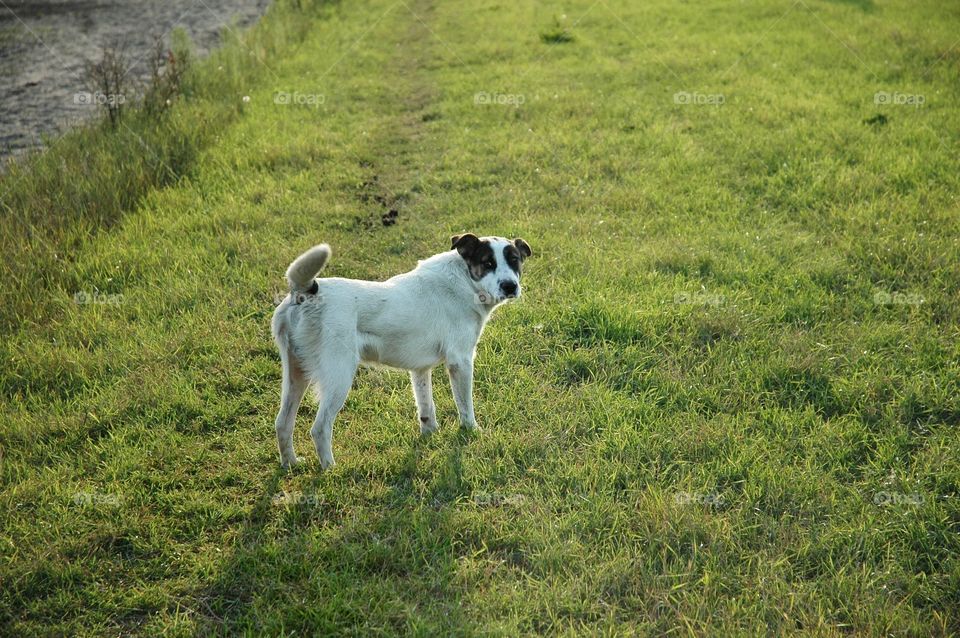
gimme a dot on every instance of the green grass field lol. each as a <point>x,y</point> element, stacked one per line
<point>727,403</point>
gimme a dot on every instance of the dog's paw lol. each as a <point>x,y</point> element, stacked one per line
<point>470,426</point>
<point>327,463</point>
<point>428,425</point>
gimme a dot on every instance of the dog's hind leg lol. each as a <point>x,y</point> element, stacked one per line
<point>294,387</point>
<point>335,376</point>
<point>423,394</point>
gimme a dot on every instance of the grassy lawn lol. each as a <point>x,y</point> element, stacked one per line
<point>726,404</point>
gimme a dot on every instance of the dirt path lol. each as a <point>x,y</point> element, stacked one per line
<point>392,177</point>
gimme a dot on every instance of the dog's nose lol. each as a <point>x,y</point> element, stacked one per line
<point>509,288</point>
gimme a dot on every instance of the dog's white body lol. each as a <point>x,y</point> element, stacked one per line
<point>435,313</point>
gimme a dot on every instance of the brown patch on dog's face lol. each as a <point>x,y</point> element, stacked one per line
<point>523,247</point>
<point>515,252</point>
<point>513,258</point>
<point>478,253</point>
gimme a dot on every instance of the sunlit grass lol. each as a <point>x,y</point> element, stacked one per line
<point>726,403</point>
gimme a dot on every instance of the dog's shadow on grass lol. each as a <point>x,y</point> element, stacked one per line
<point>308,563</point>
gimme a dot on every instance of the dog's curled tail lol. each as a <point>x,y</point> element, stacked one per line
<point>304,268</point>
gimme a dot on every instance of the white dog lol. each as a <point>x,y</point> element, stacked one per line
<point>326,327</point>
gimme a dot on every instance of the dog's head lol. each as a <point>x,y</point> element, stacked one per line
<point>494,265</point>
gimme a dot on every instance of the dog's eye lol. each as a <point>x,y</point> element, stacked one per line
<point>491,265</point>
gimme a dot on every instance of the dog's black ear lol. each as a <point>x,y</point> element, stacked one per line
<point>523,247</point>
<point>465,244</point>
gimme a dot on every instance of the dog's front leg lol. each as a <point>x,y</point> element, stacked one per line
<point>461,382</point>
<point>423,394</point>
